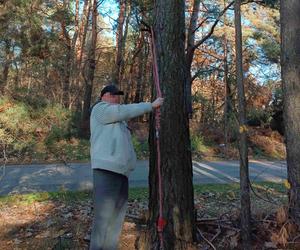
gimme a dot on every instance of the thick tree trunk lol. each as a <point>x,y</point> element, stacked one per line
<point>176,164</point>
<point>243,148</point>
<point>290,63</point>
<point>90,72</point>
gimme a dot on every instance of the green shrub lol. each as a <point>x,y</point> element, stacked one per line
<point>35,134</point>
<point>16,128</point>
<point>141,147</point>
<point>56,134</point>
<point>198,144</point>
<point>258,117</point>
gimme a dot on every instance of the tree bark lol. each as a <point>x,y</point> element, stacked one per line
<point>142,62</point>
<point>243,148</point>
<point>79,49</point>
<point>68,59</point>
<point>90,72</point>
<point>290,71</point>
<point>82,32</point>
<point>119,42</point>
<point>190,53</point>
<point>6,66</point>
<point>176,164</point>
<point>227,99</point>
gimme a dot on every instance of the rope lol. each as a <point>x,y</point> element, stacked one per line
<point>161,222</point>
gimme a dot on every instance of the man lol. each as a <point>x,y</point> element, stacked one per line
<point>112,160</point>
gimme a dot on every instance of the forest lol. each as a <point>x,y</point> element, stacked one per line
<point>229,74</point>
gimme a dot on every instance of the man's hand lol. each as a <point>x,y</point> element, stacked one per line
<point>158,102</point>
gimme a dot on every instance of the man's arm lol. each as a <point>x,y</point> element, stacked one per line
<point>111,113</point>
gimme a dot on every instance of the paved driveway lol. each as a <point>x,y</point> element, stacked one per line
<point>78,176</point>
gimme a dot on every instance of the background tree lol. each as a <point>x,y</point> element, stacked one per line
<point>90,69</point>
<point>290,61</point>
<point>245,223</point>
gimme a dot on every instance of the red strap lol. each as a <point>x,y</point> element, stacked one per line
<point>161,222</point>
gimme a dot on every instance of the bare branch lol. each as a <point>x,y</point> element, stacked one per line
<point>213,26</point>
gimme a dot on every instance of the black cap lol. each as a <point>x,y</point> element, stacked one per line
<point>111,89</point>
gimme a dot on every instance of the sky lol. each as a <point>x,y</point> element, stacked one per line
<point>109,12</point>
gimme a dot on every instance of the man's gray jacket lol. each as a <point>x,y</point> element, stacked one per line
<point>111,145</point>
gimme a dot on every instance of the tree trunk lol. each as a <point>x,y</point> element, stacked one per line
<point>82,32</point>
<point>290,63</point>
<point>192,45</point>
<point>80,43</point>
<point>129,93</point>
<point>176,164</point>
<point>119,42</point>
<point>227,99</point>
<point>67,76</point>
<point>243,148</point>
<point>73,60</point>
<point>142,62</point>
<point>190,53</point>
<point>7,63</point>
<point>122,62</point>
<point>68,59</point>
<point>90,73</point>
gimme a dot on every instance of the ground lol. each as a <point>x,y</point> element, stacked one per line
<point>63,220</point>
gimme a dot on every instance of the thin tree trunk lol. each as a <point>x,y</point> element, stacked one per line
<point>67,76</point>
<point>130,88</point>
<point>176,164</point>
<point>82,32</point>
<point>227,99</point>
<point>119,42</point>
<point>68,59</point>
<point>227,110</point>
<point>79,48</point>
<point>73,59</point>
<point>142,61</point>
<point>90,72</point>
<point>243,148</point>
<point>190,53</point>
<point>76,24</point>
<point>6,66</point>
<point>192,45</point>
<point>16,80</point>
<point>290,61</point>
<point>122,64</point>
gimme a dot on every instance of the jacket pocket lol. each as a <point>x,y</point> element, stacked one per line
<point>113,146</point>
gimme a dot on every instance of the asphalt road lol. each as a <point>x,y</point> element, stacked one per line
<point>78,176</point>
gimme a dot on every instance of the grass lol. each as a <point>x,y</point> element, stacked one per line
<point>62,195</point>
<point>211,191</point>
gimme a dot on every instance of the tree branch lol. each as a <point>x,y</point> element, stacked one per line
<point>213,26</point>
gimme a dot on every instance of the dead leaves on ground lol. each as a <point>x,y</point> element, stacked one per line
<point>56,225</point>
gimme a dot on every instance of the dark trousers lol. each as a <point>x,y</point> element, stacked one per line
<point>110,204</point>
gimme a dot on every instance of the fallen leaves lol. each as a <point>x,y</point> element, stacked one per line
<point>61,225</point>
